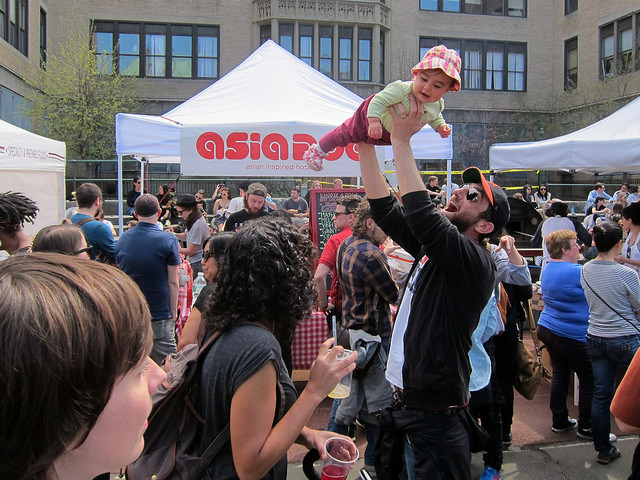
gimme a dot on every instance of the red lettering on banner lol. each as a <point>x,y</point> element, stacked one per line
<point>210,145</point>
<point>237,148</point>
<point>352,152</point>
<point>255,146</point>
<point>301,143</point>
<point>275,147</point>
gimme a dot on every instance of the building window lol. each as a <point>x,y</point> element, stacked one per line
<point>306,44</point>
<point>345,52</point>
<point>129,49</point>
<point>207,52</point>
<point>487,65</point>
<point>511,8</point>
<point>157,50</point>
<point>364,54</point>
<point>571,63</point>
<point>382,57</point>
<point>326,50</point>
<point>43,38</point>
<point>265,33</point>
<point>570,6</point>
<point>14,24</point>
<point>625,46</point>
<point>286,36</point>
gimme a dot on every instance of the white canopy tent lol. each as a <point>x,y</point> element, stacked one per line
<point>256,121</point>
<point>34,165</point>
<point>608,146</point>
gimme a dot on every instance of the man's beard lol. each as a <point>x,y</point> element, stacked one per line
<point>462,222</point>
<point>254,212</point>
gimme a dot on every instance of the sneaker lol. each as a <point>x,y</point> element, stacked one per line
<point>370,471</point>
<point>571,424</point>
<point>587,434</point>
<point>506,440</point>
<point>490,474</point>
<point>313,157</point>
<point>605,458</point>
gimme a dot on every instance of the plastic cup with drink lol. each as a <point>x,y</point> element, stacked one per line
<point>343,388</point>
<point>342,453</point>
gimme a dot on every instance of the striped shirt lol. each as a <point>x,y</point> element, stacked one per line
<point>619,286</point>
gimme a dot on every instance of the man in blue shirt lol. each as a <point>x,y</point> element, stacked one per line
<point>150,257</point>
<point>89,200</point>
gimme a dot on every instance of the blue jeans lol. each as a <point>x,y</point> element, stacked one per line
<point>607,354</point>
<point>164,339</point>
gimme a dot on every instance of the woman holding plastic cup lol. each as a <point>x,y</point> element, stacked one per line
<point>245,383</point>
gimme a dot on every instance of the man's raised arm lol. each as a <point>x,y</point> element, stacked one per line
<point>374,182</point>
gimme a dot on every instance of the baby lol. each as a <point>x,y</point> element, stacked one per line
<point>437,74</point>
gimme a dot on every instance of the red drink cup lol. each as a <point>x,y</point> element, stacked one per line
<point>342,453</point>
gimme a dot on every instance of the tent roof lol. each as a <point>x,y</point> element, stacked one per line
<point>23,150</point>
<point>253,93</point>
<point>609,145</point>
<point>271,87</point>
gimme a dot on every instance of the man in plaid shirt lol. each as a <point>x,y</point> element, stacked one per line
<point>367,291</point>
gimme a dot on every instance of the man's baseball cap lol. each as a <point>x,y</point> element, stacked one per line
<point>446,59</point>
<point>500,212</point>
<point>187,201</point>
<point>146,205</point>
<point>257,189</point>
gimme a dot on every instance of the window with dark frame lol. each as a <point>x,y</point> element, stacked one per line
<point>570,6</point>
<point>488,65</point>
<point>43,38</point>
<point>607,51</point>
<point>326,50</point>
<point>345,52</point>
<point>265,33</point>
<point>286,36</point>
<point>364,54</point>
<point>511,8</point>
<point>157,50</point>
<point>305,40</point>
<point>14,24</point>
<point>571,63</point>
<point>382,56</point>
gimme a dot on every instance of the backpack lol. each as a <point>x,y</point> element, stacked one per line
<point>172,439</point>
<point>100,256</point>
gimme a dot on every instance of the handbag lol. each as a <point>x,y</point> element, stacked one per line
<point>529,370</point>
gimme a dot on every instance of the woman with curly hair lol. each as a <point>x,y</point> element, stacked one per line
<point>265,293</point>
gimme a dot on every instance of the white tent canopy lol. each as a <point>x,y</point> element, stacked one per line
<point>34,166</point>
<point>608,146</point>
<point>259,116</point>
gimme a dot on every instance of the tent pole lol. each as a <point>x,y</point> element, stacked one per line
<point>449,191</point>
<point>142,176</point>
<point>120,209</point>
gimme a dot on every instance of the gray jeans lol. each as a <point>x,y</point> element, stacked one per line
<point>164,339</point>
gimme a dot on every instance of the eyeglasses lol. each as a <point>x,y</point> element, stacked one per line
<point>473,194</point>
<point>86,249</point>
<point>180,212</point>
<point>542,188</point>
<point>337,214</point>
<point>136,183</point>
<point>206,255</point>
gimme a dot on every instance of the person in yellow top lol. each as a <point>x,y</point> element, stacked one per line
<point>437,73</point>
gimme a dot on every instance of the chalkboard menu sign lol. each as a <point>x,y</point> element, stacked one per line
<point>321,210</point>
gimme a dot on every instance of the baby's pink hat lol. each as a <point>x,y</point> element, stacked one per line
<point>446,59</point>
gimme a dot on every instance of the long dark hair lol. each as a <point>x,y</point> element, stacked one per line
<point>266,279</point>
<point>192,218</point>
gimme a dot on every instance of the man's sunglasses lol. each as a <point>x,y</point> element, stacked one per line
<point>473,194</point>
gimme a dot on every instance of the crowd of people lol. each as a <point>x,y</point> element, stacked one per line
<point>86,319</point>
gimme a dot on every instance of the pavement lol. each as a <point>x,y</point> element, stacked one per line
<point>536,452</point>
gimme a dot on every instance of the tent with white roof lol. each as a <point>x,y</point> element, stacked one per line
<point>608,146</point>
<point>34,165</point>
